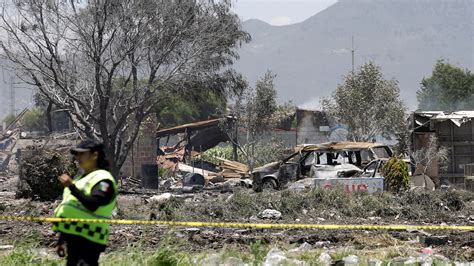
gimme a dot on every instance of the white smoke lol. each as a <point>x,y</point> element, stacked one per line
<point>313,103</point>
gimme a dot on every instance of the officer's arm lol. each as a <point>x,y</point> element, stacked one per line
<point>102,193</point>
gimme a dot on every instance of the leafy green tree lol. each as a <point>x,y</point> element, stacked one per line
<point>261,106</point>
<point>449,88</point>
<point>258,116</point>
<point>33,120</point>
<point>368,104</point>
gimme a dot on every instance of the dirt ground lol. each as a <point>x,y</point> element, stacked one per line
<point>243,205</point>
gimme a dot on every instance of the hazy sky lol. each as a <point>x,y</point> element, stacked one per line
<point>280,12</point>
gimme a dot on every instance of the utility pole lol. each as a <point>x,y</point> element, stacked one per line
<point>352,53</point>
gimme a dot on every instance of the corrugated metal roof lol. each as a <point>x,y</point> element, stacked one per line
<point>185,127</point>
<point>446,115</point>
<point>338,146</point>
<point>458,118</point>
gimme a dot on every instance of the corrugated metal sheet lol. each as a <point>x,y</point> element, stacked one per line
<point>338,146</point>
<point>458,118</point>
<point>186,127</point>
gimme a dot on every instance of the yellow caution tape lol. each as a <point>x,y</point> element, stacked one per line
<point>247,225</point>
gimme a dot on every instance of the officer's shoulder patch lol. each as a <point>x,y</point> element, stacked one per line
<point>104,186</point>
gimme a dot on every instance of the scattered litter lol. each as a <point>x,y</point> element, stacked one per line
<point>375,218</point>
<point>160,199</point>
<point>303,247</point>
<point>374,262</point>
<point>418,231</point>
<point>425,260</point>
<point>351,260</point>
<point>277,257</point>
<point>269,214</point>
<point>192,230</point>
<point>4,247</point>
<point>435,240</point>
<point>325,259</point>
<point>428,251</point>
<point>322,243</point>
<point>247,183</point>
<point>166,184</point>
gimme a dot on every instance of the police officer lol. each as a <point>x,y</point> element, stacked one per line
<point>90,195</point>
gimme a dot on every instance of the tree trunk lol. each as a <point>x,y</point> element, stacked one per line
<point>424,180</point>
<point>115,171</point>
<point>235,155</point>
<point>49,121</point>
<point>114,167</point>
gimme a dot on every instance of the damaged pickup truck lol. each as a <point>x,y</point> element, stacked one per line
<point>327,160</point>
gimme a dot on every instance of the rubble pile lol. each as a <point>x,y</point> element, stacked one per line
<point>39,172</point>
<point>7,143</point>
<point>231,169</point>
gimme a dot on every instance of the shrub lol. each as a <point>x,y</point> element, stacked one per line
<point>396,174</point>
<point>39,175</point>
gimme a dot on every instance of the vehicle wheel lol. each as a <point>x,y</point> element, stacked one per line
<point>269,184</point>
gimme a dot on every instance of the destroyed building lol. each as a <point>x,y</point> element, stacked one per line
<point>454,131</point>
<point>311,126</point>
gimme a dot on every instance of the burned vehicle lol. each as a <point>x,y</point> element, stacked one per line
<point>326,160</point>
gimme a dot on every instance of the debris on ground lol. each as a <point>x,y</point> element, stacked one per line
<point>351,260</point>
<point>5,247</point>
<point>303,184</point>
<point>374,262</point>
<point>325,259</point>
<point>193,179</point>
<point>160,199</point>
<point>169,158</point>
<point>431,241</point>
<point>187,169</point>
<point>231,169</point>
<point>302,248</point>
<point>278,257</point>
<point>269,214</point>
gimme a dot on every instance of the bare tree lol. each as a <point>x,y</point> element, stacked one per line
<point>104,60</point>
<point>432,153</point>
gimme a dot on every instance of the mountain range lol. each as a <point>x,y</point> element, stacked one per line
<point>404,37</point>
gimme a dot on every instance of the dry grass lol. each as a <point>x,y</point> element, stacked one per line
<point>374,240</point>
<point>439,206</point>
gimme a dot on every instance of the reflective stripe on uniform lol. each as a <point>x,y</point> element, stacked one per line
<point>71,207</point>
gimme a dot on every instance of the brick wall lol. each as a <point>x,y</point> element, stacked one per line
<point>143,152</point>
